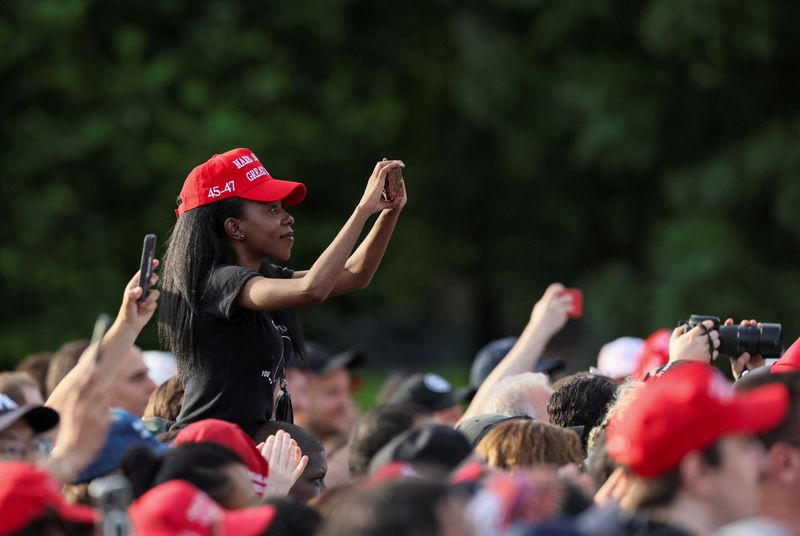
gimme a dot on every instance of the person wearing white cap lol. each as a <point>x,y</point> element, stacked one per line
<point>618,358</point>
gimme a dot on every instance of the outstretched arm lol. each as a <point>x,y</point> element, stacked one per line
<point>362,265</point>
<point>315,285</point>
<point>547,318</point>
<point>132,317</point>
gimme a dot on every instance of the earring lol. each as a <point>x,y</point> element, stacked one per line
<point>241,237</point>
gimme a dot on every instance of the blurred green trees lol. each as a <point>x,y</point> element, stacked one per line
<point>644,151</point>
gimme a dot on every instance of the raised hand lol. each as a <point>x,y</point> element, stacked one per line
<point>134,313</point>
<point>372,200</point>
<point>85,420</point>
<point>745,361</point>
<point>693,345</point>
<point>550,312</point>
<point>400,199</point>
<point>286,463</point>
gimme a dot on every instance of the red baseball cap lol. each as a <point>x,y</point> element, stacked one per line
<point>232,437</point>
<point>177,507</point>
<point>27,492</point>
<point>789,361</point>
<point>688,408</point>
<point>236,173</point>
<point>655,353</point>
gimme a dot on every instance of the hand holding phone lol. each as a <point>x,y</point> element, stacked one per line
<point>577,301</point>
<point>146,266</point>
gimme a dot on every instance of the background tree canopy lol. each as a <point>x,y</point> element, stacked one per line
<point>645,151</point>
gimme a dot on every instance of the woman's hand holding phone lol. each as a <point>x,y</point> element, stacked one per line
<point>373,200</point>
<point>134,312</point>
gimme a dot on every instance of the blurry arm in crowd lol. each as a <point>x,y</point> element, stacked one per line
<point>286,463</point>
<point>131,319</point>
<point>548,317</point>
<point>83,426</point>
<point>364,262</point>
<point>693,345</point>
<point>319,282</point>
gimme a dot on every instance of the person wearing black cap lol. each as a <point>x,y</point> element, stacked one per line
<point>428,445</point>
<point>20,429</point>
<point>328,410</point>
<point>432,392</point>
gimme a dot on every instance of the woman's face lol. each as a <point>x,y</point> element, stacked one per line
<point>267,230</point>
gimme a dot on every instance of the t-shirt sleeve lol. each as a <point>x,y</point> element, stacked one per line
<point>224,285</point>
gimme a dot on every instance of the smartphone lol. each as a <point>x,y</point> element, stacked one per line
<point>146,266</point>
<point>393,184</point>
<point>577,301</point>
<point>112,495</point>
<point>101,326</point>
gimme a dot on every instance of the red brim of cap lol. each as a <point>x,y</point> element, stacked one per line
<point>248,521</point>
<point>759,410</point>
<point>78,514</point>
<point>287,192</point>
<point>778,367</point>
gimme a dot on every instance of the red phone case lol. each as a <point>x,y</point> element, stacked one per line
<point>577,301</point>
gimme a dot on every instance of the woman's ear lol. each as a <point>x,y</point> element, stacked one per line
<point>232,230</point>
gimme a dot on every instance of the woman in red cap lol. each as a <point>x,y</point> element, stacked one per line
<point>226,311</point>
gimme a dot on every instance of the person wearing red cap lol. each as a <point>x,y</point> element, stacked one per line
<point>31,501</point>
<point>272,469</point>
<point>688,441</point>
<point>177,507</point>
<point>780,487</point>
<point>227,308</point>
<point>789,361</point>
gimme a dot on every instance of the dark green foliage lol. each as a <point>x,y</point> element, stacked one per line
<point>645,151</point>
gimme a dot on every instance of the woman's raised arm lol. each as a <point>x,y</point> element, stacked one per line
<point>315,285</point>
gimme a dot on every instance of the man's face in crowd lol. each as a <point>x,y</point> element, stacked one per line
<point>737,479</point>
<point>132,387</point>
<point>312,482</point>
<point>331,410</point>
<point>299,388</point>
<point>16,442</point>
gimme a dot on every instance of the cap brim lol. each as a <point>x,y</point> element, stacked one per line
<point>760,409</point>
<point>443,402</point>
<point>248,521</point>
<point>475,428</point>
<point>287,192</point>
<point>40,418</point>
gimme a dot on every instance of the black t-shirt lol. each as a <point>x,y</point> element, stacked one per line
<point>239,355</point>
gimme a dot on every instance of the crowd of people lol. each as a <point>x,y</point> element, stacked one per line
<point>244,428</point>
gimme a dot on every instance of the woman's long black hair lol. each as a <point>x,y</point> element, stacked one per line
<point>195,246</point>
